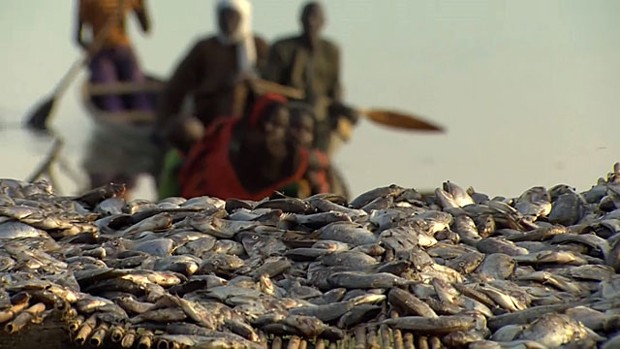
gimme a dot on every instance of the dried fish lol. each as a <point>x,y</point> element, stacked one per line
<point>393,268</point>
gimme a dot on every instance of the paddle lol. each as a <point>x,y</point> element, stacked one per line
<point>384,117</point>
<point>399,120</point>
<point>37,120</point>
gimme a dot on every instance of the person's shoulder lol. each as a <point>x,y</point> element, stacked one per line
<point>259,39</point>
<point>203,44</point>
<point>286,41</point>
<point>205,41</point>
<point>260,42</point>
<point>330,45</point>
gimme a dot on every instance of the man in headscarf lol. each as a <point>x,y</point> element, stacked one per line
<point>211,77</point>
<point>211,74</point>
<point>312,63</point>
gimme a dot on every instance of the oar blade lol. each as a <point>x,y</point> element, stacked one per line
<point>38,119</point>
<point>401,120</point>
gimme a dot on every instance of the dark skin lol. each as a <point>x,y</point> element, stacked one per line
<point>263,156</point>
<point>302,128</point>
<point>228,20</point>
<point>312,23</point>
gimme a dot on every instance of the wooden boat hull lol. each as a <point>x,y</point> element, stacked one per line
<point>91,92</point>
<point>113,123</point>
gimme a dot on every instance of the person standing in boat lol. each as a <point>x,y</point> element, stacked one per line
<point>116,151</point>
<point>211,78</point>
<point>211,74</point>
<point>311,63</point>
<point>112,56</point>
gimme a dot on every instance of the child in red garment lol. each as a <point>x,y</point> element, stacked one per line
<point>245,158</point>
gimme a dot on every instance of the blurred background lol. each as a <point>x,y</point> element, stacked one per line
<point>526,89</point>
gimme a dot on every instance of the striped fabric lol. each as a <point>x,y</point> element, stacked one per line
<point>95,13</point>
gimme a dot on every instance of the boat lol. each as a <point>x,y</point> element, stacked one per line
<point>123,124</point>
<point>152,86</point>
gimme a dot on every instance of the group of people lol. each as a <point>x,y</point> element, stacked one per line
<point>226,122</point>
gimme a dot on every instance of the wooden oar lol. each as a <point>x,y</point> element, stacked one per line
<point>37,119</point>
<point>126,117</point>
<point>399,120</point>
<point>384,117</point>
<point>120,88</point>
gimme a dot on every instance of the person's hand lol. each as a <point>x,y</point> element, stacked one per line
<point>345,129</point>
<point>340,110</point>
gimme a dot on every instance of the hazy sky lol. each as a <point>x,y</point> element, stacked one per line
<point>527,89</point>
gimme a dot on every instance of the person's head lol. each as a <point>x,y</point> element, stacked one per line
<point>312,19</point>
<point>233,19</point>
<point>268,123</point>
<point>302,124</point>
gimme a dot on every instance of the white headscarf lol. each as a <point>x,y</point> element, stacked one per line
<point>243,36</point>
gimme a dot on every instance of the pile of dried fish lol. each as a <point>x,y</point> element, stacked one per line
<point>391,268</point>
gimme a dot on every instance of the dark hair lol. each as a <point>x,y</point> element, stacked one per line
<point>258,106</point>
<point>307,8</point>
<point>299,110</point>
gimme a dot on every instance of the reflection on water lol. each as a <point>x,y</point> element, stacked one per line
<point>27,150</point>
<point>23,150</point>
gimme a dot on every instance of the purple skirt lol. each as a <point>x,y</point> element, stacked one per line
<point>118,64</point>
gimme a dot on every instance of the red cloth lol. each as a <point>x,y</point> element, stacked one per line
<point>318,168</point>
<point>262,103</point>
<point>208,170</point>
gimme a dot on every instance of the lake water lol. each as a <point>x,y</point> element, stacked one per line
<point>526,89</point>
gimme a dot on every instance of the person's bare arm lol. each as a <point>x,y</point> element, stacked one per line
<point>182,81</point>
<point>143,15</point>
